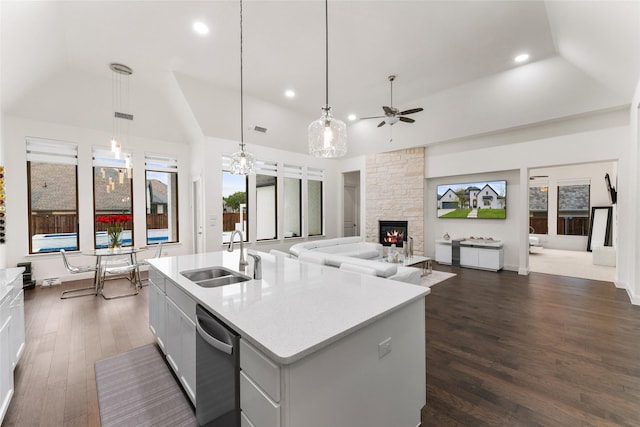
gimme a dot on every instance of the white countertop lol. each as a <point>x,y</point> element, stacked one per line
<point>7,276</point>
<point>297,308</point>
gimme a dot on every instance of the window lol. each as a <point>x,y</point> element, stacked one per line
<point>52,186</point>
<point>112,193</point>
<point>234,203</point>
<point>292,201</point>
<point>538,207</point>
<point>314,201</point>
<point>266,200</point>
<point>573,208</point>
<point>161,178</point>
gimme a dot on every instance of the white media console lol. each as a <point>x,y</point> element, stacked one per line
<point>482,254</point>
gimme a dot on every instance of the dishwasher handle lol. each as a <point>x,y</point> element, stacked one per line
<point>213,341</point>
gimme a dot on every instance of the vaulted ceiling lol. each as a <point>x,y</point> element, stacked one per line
<point>454,58</point>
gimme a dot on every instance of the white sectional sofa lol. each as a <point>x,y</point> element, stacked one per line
<point>353,253</point>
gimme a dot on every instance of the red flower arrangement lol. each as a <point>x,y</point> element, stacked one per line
<point>115,225</point>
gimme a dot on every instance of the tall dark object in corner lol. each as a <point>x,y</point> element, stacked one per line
<point>600,227</point>
<point>613,194</point>
<point>27,281</point>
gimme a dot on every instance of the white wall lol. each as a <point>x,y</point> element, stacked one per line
<point>599,196</point>
<point>504,230</point>
<point>628,208</point>
<point>607,144</point>
<point>14,135</point>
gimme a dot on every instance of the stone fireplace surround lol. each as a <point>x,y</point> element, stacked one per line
<point>395,190</point>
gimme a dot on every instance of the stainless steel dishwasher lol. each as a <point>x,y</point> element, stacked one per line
<point>217,372</point>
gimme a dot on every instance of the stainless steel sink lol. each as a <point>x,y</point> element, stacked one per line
<point>221,281</point>
<point>211,277</point>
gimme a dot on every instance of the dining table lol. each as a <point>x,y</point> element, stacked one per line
<point>102,261</point>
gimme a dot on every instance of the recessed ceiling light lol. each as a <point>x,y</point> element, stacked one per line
<point>521,58</point>
<point>352,117</point>
<point>289,93</point>
<point>200,28</point>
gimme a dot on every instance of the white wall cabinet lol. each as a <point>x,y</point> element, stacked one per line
<point>172,322</point>
<point>12,333</point>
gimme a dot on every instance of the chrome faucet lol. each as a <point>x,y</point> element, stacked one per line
<point>257,266</point>
<point>243,262</point>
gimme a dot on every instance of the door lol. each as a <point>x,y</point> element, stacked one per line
<point>196,206</point>
<point>350,211</point>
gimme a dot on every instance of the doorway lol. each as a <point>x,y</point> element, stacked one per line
<point>351,204</point>
<point>560,202</point>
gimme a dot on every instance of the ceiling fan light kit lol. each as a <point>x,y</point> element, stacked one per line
<point>327,136</point>
<point>393,115</point>
<point>242,162</point>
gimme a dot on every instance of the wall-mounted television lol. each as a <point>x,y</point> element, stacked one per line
<point>476,200</point>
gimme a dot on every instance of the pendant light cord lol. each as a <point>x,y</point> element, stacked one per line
<point>241,88</point>
<point>326,49</point>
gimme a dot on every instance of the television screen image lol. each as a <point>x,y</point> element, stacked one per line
<point>476,200</point>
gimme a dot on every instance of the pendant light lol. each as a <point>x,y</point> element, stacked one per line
<point>242,162</point>
<point>327,135</point>
<point>120,99</point>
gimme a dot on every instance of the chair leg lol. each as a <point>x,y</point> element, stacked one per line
<point>70,292</point>
<point>131,278</point>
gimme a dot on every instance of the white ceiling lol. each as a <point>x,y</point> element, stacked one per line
<point>55,57</point>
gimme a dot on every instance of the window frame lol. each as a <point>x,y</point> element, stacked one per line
<point>226,166</point>
<point>104,158</point>
<point>292,172</point>
<point>268,169</point>
<point>51,152</point>
<point>585,220</point>
<point>163,164</point>
<point>315,175</point>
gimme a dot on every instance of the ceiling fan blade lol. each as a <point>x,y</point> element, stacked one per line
<point>387,110</point>
<point>406,119</point>
<point>382,123</point>
<point>372,117</point>
<point>411,111</point>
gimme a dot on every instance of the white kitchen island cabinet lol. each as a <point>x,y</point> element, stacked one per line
<point>319,346</point>
<point>172,322</point>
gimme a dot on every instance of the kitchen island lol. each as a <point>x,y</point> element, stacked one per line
<point>319,346</point>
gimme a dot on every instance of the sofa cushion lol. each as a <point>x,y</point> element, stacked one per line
<point>382,269</point>
<point>347,246</point>
<point>314,257</point>
<point>408,274</point>
<point>358,269</point>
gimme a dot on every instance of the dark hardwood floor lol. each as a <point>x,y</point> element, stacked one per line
<point>502,349</point>
<point>537,350</point>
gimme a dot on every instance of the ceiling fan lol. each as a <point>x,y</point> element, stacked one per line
<point>393,115</point>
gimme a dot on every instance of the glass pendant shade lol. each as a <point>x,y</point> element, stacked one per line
<point>242,163</point>
<point>327,136</point>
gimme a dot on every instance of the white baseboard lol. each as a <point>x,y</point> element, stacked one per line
<point>635,300</point>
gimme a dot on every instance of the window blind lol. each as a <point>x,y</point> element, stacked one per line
<point>40,150</point>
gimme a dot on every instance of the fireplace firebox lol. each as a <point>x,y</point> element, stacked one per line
<point>393,232</point>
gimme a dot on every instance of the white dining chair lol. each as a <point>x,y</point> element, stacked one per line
<point>76,269</point>
<point>118,269</point>
<point>156,254</point>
